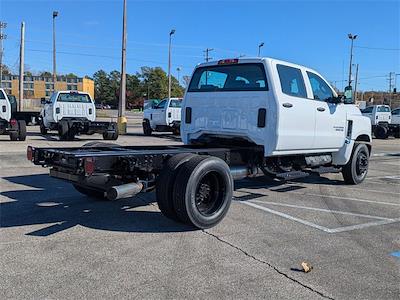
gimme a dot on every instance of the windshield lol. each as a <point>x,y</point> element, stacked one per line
<point>73,97</point>
<point>222,78</point>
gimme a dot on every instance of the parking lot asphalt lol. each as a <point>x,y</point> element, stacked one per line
<point>57,243</point>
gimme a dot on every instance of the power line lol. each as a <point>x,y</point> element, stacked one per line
<point>376,48</point>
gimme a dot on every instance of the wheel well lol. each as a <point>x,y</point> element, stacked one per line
<point>364,138</point>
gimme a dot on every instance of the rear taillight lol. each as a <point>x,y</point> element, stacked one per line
<point>29,153</point>
<point>13,122</point>
<point>89,165</point>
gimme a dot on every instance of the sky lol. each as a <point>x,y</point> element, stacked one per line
<point>311,33</point>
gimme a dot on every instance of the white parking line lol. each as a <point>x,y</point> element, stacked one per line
<point>323,210</point>
<point>322,228</point>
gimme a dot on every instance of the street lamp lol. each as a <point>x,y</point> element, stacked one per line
<point>169,63</point>
<point>259,48</point>
<point>352,38</point>
<point>55,14</point>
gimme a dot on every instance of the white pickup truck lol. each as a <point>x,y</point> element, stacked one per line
<point>240,118</point>
<point>164,117</point>
<point>394,126</point>
<point>380,117</point>
<point>72,113</point>
<point>9,125</point>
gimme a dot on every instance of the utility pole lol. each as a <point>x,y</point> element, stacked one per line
<point>259,48</point>
<point>21,65</point>
<point>391,79</point>
<point>169,62</point>
<point>122,96</point>
<point>352,38</point>
<point>55,14</point>
<point>2,37</point>
<point>355,85</point>
<point>207,54</point>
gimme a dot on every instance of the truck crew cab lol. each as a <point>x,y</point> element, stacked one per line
<point>163,117</point>
<point>72,113</point>
<point>16,129</point>
<point>240,118</point>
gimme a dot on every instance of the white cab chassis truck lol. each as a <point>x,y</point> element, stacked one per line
<point>9,125</point>
<point>164,117</point>
<point>381,118</point>
<point>72,113</point>
<point>240,118</point>
<point>394,126</point>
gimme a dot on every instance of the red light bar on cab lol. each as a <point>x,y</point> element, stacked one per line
<point>228,61</point>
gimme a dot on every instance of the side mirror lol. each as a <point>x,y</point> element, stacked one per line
<point>348,95</point>
<point>43,100</point>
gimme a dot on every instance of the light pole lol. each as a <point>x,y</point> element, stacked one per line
<point>352,38</point>
<point>169,62</point>
<point>259,48</point>
<point>122,90</point>
<point>55,14</point>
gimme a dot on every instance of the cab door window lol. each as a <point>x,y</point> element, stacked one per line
<point>292,82</point>
<point>320,88</point>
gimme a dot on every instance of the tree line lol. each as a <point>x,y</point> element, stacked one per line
<point>149,83</point>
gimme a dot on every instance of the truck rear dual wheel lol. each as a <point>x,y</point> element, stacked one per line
<point>355,171</point>
<point>147,128</point>
<point>202,191</point>
<point>65,131</point>
<point>113,133</point>
<point>381,132</point>
<point>18,131</point>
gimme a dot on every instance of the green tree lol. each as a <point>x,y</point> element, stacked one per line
<point>102,87</point>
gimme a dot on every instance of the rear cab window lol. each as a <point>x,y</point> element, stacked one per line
<point>227,78</point>
<point>383,109</point>
<point>2,96</point>
<point>292,81</point>
<point>73,97</point>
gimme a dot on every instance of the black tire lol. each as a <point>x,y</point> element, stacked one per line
<point>381,132</point>
<point>355,171</point>
<point>396,132</point>
<point>165,184</point>
<point>113,133</point>
<point>14,131</point>
<point>43,130</point>
<point>21,130</point>
<point>146,128</point>
<point>63,130</point>
<point>92,193</point>
<point>203,191</point>
<point>176,131</point>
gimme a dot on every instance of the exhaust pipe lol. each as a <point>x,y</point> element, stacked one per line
<point>124,191</point>
<point>241,172</point>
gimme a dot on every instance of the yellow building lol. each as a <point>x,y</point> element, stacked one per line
<point>36,87</point>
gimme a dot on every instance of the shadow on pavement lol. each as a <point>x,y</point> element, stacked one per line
<point>53,201</point>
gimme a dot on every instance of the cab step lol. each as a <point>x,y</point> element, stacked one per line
<point>324,170</point>
<point>292,175</point>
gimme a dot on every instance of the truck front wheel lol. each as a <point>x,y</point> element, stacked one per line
<point>381,132</point>
<point>43,129</point>
<point>355,171</point>
<point>203,191</point>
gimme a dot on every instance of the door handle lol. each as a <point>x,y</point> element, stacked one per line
<point>287,105</point>
<point>321,109</point>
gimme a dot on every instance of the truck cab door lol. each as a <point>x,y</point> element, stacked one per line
<point>296,121</point>
<point>158,114</point>
<point>330,118</point>
<point>48,111</point>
